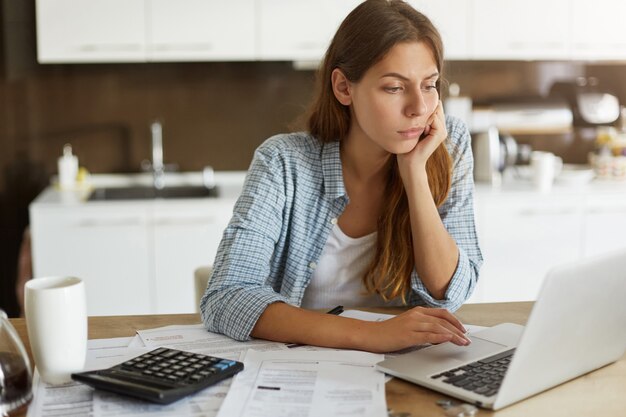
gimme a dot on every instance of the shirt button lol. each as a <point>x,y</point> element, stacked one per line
<point>312,265</point>
<point>333,220</point>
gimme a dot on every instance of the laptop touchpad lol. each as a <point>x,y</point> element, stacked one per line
<point>447,351</point>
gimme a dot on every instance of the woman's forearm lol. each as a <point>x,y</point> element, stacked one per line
<point>435,251</point>
<point>285,323</point>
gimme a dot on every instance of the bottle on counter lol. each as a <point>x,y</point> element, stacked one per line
<point>459,106</point>
<point>68,168</point>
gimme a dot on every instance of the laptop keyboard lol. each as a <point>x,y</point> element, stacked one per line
<point>482,377</point>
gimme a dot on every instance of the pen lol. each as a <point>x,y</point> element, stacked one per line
<point>335,311</point>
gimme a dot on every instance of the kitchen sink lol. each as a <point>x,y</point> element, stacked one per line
<point>147,192</point>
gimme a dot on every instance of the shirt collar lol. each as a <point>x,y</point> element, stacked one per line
<point>331,167</point>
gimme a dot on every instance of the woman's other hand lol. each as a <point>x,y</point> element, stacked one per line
<point>414,162</point>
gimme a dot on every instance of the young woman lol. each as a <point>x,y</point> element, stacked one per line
<point>372,206</point>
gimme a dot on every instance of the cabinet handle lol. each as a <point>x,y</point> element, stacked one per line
<point>308,45</point>
<point>127,221</point>
<point>193,47</point>
<point>606,210</point>
<point>520,46</point>
<point>172,221</point>
<point>129,47</point>
<point>554,212</point>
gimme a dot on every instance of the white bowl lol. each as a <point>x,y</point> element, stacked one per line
<point>575,174</point>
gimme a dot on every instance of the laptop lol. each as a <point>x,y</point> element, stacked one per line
<point>577,324</point>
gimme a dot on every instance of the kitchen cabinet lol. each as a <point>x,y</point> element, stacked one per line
<point>522,237</point>
<point>136,256</point>
<point>108,249</point>
<point>145,30</point>
<point>185,238</point>
<point>90,31</point>
<point>513,29</point>
<point>523,233</point>
<point>598,29</point>
<point>200,30</point>
<point>605,224</point>
<point>299,29</point>
<point>452,19</point>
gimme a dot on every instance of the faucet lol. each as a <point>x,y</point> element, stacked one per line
<point>156,131</point>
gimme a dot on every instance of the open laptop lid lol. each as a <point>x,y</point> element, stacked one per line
<point>578,324</point>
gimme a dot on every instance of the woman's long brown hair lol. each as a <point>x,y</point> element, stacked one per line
<point>362,40</point>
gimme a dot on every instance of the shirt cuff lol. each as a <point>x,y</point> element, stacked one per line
<point>235,313</point>
<point>459,289</point>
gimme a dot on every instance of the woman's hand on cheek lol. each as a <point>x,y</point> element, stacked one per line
<point>435,132</point>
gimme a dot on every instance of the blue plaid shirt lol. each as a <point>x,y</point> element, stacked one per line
<point>292,193</point>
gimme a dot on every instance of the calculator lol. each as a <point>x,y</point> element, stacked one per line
<point>162,375</point>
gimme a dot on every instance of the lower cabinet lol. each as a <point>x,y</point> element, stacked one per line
<point>184,239</point>
<point>134,258</point>
<point>523,235</point>
<point>521,239</point>
<point>605,224</point>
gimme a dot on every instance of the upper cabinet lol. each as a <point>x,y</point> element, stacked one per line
<point>513,29</point>
<point>200,30</point>
<point>452,19</point>
<point>598,30</point>
<point>299,29</point>
<point>145,30</point>
<point>71,31</point>
<point>90,31</point>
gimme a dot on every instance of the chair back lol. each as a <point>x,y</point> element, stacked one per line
<point>201,280</point>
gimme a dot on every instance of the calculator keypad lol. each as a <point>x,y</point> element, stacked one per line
<point>177,366</point>
<point>162,375</point>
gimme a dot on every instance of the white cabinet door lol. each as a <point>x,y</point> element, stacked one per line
<point>605,224</point>
<point>197,30</point>
<point>521,238</point>
<point>598,30</point>
<point>90,31</point>
<point>186,236</point>
<point>107,248</point>
<point>513,29</point>
<point>299,29</point>
<point>452,19</point>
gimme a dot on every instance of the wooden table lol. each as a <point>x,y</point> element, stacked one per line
<point>599,393</point>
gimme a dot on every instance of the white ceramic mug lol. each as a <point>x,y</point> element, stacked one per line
<point>56,317</point>
<point>545,167</point>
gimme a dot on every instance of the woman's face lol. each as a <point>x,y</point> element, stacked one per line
<point>391,104</point>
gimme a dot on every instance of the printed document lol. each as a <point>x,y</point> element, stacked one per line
<point>307,383</point>
<point>74,398</point>
<point>83,401</point>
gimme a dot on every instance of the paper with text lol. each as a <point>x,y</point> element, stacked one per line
<point>79,400</point>
<point>195,338</point>
<point>74,398</point>
<point>307,383</point>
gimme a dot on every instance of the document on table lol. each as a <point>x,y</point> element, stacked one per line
<point>195,338</point>
<point>307,383</point>
<point>74,398</point>
<point>54,401</point>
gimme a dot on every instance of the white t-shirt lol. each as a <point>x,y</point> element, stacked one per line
<point>338,276</point>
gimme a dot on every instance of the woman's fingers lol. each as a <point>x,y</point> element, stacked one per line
<point>444,314</point>
<point>443,318</point>
<point>441,328</point>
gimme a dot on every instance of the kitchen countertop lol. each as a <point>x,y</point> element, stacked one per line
<point>518,181</point>
<point>230,183</point>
